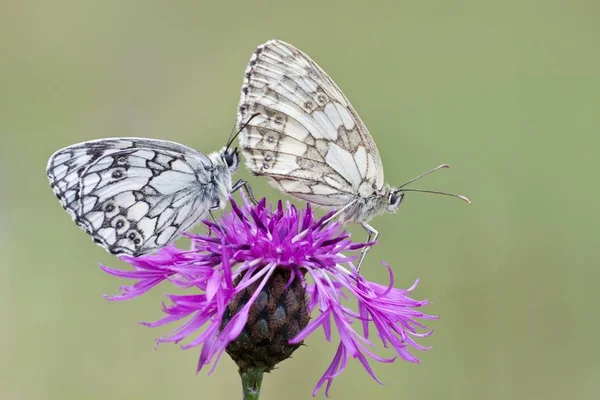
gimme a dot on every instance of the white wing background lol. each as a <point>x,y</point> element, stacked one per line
<point>308,138</point>
<point>131,195</point>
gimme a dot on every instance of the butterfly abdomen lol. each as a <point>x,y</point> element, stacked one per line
<point>363,209</point>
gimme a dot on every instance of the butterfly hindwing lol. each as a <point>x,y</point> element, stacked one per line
<point>307,138</point>
<point>132,195</point>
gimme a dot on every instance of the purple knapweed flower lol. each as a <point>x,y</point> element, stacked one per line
<point>255,279</point>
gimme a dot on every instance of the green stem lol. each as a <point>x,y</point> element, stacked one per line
<point>251,381</point>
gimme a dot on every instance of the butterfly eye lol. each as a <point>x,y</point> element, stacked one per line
<point>229,159</point>
<point>394,201</point>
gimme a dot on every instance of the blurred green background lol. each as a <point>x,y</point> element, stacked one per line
<point>508,92</point>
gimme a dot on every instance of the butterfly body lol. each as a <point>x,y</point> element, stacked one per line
<point>364,208</point>
<point>221,186</point>
<point>135,195</point>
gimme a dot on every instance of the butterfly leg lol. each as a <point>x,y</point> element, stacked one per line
<point>243,184</point>
<point>339,212</point>
<point>210,212</point>
<point>372,236</point>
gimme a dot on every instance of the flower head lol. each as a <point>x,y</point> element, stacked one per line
<point>255,279</point>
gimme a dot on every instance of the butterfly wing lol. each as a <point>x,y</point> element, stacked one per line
<point>307,137</point>
<point>132,195</point>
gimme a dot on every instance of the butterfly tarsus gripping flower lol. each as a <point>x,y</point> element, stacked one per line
<point>256,279</point>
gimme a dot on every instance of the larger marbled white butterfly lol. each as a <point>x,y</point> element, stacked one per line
<point>309,140</point>
<point>134,195</point>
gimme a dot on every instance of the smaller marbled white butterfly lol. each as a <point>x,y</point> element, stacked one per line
<point>134,195</point>
<point>310,141</point>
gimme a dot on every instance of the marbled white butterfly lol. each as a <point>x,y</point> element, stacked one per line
<point>309,140</point>
<point>134,195</point>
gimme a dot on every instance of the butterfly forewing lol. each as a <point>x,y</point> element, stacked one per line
<point>307,138</point>
<point>132,195</point>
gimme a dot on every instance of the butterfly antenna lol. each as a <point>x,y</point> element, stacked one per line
<point>232,136</point>
<point>458,196</point>
<point>423,174</point>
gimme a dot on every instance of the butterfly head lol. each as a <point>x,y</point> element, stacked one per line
<point>230,157</point>
<point>393,200</point>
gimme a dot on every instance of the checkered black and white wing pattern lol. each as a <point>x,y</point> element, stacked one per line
<point>307,137</point>
<point>132,195</point>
